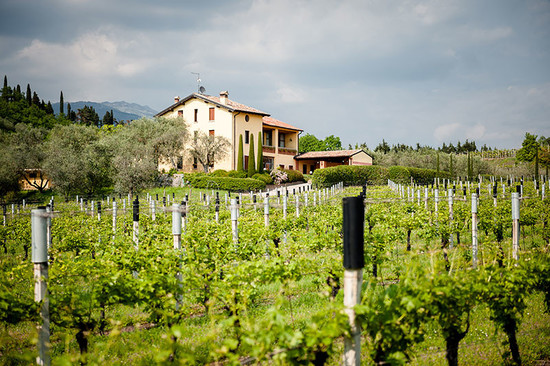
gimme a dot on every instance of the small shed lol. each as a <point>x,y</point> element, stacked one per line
<point>311,160</point>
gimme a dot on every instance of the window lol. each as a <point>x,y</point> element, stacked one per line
<point>304,169</point>
<point>211,114</point>
<point>246,118</point>
<point>268,163</point>
<point>246,137</point>
<point>282,166</point>
<point>211,132</point>
<point>180,113</point>
<point>196,115</point>
<point>291,167</point>
<point>268,138</point>
<point>281,139</point>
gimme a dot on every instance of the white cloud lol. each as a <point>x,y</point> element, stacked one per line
<point>446,132</point>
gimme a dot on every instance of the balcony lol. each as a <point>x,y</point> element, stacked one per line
<point>287,151</point>
<point>268,149</point>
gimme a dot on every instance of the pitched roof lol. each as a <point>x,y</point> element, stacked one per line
<point>276,123</point>
<point>230,105</point>
<point>328,154</point>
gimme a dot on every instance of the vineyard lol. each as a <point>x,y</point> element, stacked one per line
<point>254,280</point>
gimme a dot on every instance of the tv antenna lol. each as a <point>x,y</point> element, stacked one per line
<point>200,88</point>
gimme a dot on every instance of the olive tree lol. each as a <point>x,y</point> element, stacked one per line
<point>209,149</point>
<point>138,147</point>
<point>77,161</point>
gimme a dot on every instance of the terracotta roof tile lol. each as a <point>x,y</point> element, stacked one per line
<point>231,104</point>
<point>328,154</point>
<point>276,123</point>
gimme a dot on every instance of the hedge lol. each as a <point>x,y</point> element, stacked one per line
<point>225,183</point>
<point>294,175</point>
<point>351,175</point>
<point>427,176</point>
<point>399,174</point>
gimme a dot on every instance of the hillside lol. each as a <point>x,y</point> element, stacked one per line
<point>123,111</point>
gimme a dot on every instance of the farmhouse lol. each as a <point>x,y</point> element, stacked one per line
<point>221,116</point>
<point>309,161</point>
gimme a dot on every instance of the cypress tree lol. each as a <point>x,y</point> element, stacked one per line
<point>469,166</point>
<point>537,163</point>
<point>5,81</point>
<point>240,167</point>
<point>260,154</point>
<point>61,102</point>
<point>251,160</point>
<point>29,94</point>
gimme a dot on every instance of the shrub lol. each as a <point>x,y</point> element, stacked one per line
<point>227,183</point>
<point>426,176</point>
<point>294,175</point>
<point>219,173</point>
<point>399,174</point>
<point>350,175</point>
<point>264,177</point>
<point>236,174</point>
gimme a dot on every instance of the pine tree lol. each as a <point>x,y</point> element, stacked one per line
<point>251,160</point>
<point>240,167</point>
<point>29,94</point>
<point>260,154</point>
<point>61,103</point>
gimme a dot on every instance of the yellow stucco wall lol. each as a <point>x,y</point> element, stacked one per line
<point>223,126</point>
<point>361,158</point>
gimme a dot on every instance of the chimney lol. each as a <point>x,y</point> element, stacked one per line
<point>176,99</point>
<point>224,95</point>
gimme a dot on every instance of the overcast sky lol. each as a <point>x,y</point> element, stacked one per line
<point>406,71</point>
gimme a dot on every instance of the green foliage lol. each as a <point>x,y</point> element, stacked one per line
<point>529,148</point>
<point>240,156</point>
<point>399,174</point>
<point>427,176</point>
<point>87,116</point>
<point>226,183</point>
<point>219,173</point>
<point>260,168</point>
<point>350,175</point>
<point>251,160</point>
<point>309,142</point>
<point>236,174</point>
<point>263,177</point>
<point>293,175</point>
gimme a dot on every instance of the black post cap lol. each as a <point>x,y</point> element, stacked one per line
<point>353,225</point>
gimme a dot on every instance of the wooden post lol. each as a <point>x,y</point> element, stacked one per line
<point>515,225</point>
<point>285,198</point>
<point>40,262</point>
<point>474,230</point>
<point>354,262</point>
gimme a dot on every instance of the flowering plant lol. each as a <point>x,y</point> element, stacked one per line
<point>278,176</point>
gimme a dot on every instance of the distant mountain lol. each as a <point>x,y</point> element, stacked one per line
<point>123,111</point>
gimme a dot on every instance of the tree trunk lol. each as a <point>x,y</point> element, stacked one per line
<point>452,346</point>
<point>510,329</point>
